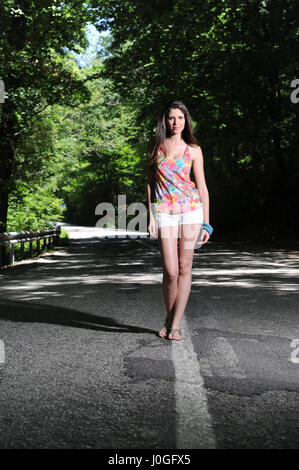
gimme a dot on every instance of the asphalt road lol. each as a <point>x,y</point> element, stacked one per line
<point>83,366</point>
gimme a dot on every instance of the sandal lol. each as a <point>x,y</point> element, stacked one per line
<point>173,331</point>
<point>164,330</point>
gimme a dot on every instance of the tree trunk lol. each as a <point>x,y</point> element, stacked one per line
<point>6,167</point>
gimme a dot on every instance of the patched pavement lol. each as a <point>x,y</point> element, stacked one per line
<point>84,367</point>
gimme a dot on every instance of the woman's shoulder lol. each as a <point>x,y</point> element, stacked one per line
<point>195,150</point>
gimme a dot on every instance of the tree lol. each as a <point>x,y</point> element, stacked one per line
<point>232,62</point>
<point>34,39</point>
<point>99,154</point>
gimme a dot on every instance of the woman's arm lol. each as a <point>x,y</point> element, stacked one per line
<point>149,187</point>
<point>199,176</point>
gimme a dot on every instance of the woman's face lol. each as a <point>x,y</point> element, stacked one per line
<point>176,121</point>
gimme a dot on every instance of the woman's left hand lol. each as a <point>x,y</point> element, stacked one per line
<point>205,237</point>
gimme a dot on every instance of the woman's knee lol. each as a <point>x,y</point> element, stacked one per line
<point>171,274</point>
<point>185,267</point>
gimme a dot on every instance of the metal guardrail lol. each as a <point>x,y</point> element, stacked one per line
<point>50,237</point>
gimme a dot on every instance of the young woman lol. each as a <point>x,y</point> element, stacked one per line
<point>178,209</point>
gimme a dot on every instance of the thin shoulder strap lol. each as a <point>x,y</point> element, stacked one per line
<point>187,150</point>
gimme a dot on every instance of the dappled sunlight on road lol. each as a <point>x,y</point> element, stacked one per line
<point>128,263</point>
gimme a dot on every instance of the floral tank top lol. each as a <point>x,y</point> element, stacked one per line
<point>175,193</point>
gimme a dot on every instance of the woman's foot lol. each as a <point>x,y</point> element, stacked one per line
<point>175,334</point>
<point>164,330</point>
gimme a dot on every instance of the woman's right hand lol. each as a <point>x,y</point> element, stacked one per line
<point>152,227</point>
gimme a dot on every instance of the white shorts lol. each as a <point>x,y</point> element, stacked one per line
<point>174,220</point>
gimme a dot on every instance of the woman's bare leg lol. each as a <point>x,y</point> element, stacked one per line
<point>167,238</point>
<point>188,236</point>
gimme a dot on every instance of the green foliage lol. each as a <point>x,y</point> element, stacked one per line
<point>232,63</point>
<point>79,135</point>
<point>99,152</point>
<point>33,45</point>
<point>63,235</point>
<point>38,71</point>
<point>63,238</point>
<point>32,207</point>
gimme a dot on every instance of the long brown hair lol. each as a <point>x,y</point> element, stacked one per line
<point>163,131</point>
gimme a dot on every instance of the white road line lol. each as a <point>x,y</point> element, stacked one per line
<point>194,428</point>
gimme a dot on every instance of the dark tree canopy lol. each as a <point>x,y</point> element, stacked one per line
<point>232,63</point>
<point>34,37</point>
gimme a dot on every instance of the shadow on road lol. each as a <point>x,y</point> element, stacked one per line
<point>40,313</point>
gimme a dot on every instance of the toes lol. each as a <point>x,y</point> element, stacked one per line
<point>162,333</point>
<point>175,336</point>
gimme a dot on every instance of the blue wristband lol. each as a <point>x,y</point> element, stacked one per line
<point>208,228</point>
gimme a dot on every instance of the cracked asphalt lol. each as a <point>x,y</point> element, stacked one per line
<point>84,368</point>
